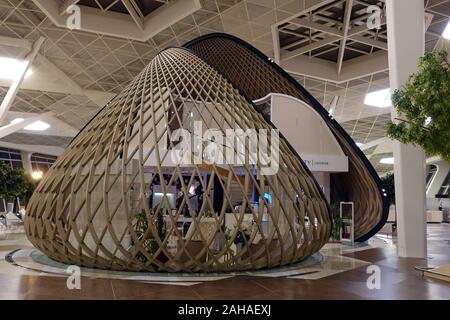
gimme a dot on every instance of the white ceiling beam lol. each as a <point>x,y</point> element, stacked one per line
<point>327,19</point>
<point>297,43</point>
<point>286,55</point>
<point>347,17</point>
<point>321,69</point>
<point>373,143</point>
<point>26,16</point>
<point>436,4</point>
<point>168,15</point>
<point>12,92</point>
<point>316,26</point>
<point>363,28</point>
<point>137,19</point>
<point>428,20</point>
<point>65,5</point>
<point>311,67</point>
<point>68,87</point>
<point>305,39</point>
<point>122,25</point>
<point>294,33</point>
<point>306,7</point>
<point>333,105</point>
<point>364,66</point>
<point>359,51</point>
<point>370,42</point>
<point>276,44</point>
<point>11,128</point>
<point>331,5</point>
<point>333,48</point>
<point>16,42</point>
<point>377,34</point>
<point>50,150</point>
<point>74,87</point>
<point>361,3</point>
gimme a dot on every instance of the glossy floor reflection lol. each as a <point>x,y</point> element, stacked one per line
<point>345,277</point>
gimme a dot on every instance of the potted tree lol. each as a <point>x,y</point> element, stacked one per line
<point>338,224</point>
<point>150,243</point>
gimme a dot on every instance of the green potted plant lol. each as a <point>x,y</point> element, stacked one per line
<point>242,237</point>
<point>338,224</point>
<point>150,243</point>
<point>209,214</point>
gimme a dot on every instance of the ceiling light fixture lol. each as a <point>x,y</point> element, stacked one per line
<point>37,175</point>
<point>379,99</point>
<point>12,68</point>
<point>18,120</point>
<point>38,126</point>
<point>35,126</point>
<point>446,33</point>
<point>387,161</point>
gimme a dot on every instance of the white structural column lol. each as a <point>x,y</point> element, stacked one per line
<point>406,40</point>
<point>26,161</point>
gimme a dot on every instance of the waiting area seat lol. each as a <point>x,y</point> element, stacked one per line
<point>434,216</point>
<point>10,222</point>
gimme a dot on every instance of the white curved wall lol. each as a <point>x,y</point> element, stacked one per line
<point>307,132</point>
<point>442,170</point>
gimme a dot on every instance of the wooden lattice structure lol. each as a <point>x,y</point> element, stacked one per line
<point>257,76</point>
<point>113,200</point>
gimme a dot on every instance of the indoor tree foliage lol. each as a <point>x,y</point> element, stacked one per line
<point>424,106</point>
<point>15,183</point>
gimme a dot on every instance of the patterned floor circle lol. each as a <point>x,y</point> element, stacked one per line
<point>35,260</point>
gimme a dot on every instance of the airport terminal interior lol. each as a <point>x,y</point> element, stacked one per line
<point>224,149</point>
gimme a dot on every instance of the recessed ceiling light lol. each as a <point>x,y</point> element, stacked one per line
<point>379,99</point>
<point>387,161</point>
<point>17,120</point>
<point>446,33</point>
<point>37,126</point>
<point>12,68</point>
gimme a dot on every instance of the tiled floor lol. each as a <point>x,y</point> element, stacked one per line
<point>399,280</point>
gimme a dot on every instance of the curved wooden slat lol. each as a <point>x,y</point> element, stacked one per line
<point>257,76</point>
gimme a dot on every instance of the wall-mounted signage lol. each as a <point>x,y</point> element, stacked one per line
<point>323,163</point>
